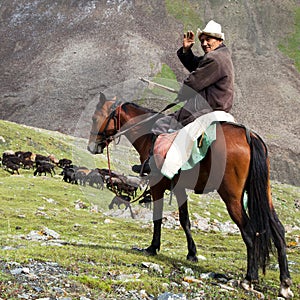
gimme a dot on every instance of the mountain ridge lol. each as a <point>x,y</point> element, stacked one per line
<point>57,57</point>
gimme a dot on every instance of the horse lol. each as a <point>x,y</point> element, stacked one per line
<point>236,164</point>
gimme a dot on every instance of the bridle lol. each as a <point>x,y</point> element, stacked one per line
<point>115,115</point>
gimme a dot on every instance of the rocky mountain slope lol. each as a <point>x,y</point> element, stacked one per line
<point>56,56</point>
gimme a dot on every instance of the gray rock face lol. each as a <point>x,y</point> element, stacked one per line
<point>57,56</point>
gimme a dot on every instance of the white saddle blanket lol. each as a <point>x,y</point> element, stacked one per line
<point>181,149</point>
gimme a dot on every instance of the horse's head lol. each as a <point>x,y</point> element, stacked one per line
<point>104,126</point>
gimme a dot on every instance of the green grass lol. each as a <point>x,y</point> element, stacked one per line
<point>185,12</point>
<point>158,96</point>
<point>165,77</point>
<point>97,248</point>
<point>290,45</point>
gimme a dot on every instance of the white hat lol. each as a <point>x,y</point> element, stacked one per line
<point>212,29</point>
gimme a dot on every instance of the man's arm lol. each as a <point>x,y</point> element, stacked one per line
<point>188,59</point>
<point>206,74</point>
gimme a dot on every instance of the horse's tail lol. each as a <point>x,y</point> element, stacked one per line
<point>263,220</point>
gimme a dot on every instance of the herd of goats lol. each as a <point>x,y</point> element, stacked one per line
<point>124,187</point>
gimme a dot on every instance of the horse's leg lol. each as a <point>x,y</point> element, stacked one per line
<point>157,195</point>
<point>252,264</point>
<point>278,234</point>
<point>262,225</point>
<point>234,206</point>
<point>185,223</point>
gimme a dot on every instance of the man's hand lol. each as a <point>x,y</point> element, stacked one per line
<point>188,40</point>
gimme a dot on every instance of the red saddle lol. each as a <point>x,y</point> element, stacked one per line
<point>161,147</point>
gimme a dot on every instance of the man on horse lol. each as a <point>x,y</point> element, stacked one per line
<point>208,87</point>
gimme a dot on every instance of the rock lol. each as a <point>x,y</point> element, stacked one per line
<point>24,296</point>
<point>152,266</point>
<point>42,235</point>
<point>128,277</point>
<point>188,271</point>
<point>201,257</point>
<point>170,296</point>
<point>16,271</point>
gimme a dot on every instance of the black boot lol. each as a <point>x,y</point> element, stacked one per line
<point>142,169</point>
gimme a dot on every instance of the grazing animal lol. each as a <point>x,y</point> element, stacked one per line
<point>27,164</point>
<point>53,159</point>
<point>39,162</point>
<point>119,186</point>
<point>11,158</point>
<point>68,174</point>
<point>24,154</point>
<point>236,164</point>
<point>44,169</point>
<point>107,174</point>
<point>11,167</point>
<point>11,162</point>
<point>81,174</point>
<point>40,157</point>
<point>64,162</point>
<point>119,200</point>
<point>95,178</point>
<point>26,159</point>
<point>146,201</point>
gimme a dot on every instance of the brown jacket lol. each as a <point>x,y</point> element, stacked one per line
<point>212,76</point>
<point>208,87</point>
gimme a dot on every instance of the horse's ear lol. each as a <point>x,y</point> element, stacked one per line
<point>102,98</point>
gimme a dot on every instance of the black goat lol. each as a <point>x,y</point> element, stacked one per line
<point>44,168</point>
<point>11,167</point>
<point>119,200</point>
<point>68,174</point>
<point>95,177</point>
<point>64,162</point>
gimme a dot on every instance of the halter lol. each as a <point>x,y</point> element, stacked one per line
<point>115,115</point>
<point>118,132</point>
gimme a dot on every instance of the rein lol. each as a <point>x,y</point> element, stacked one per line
<point>170,105</point>
<point>117,106</point>
<point>113,189</point>
<point>142,195</point>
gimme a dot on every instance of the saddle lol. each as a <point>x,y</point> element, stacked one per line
<point>181,149</point>
<point>163,143</point>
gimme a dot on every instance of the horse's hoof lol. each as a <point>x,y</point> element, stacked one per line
<point>248,286</point>
<point>192,258</point>
<point>285,291</point>
<point>146,251</point>
<point>137,249</point>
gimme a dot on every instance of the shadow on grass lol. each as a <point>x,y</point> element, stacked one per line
<point>141,253</point>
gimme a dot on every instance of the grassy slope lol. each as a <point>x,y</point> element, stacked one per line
<point>97,250</point>
<point>290,46</point>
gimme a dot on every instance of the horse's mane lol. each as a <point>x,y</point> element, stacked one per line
<point>145,109</point>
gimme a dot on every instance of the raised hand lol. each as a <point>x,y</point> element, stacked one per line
<point>188,40</point>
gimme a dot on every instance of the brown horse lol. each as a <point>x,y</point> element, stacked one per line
<point>236,163</point>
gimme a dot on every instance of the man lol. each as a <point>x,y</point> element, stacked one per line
<point>208,87</point>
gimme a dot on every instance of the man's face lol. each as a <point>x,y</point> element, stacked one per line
<point>209,43</point>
